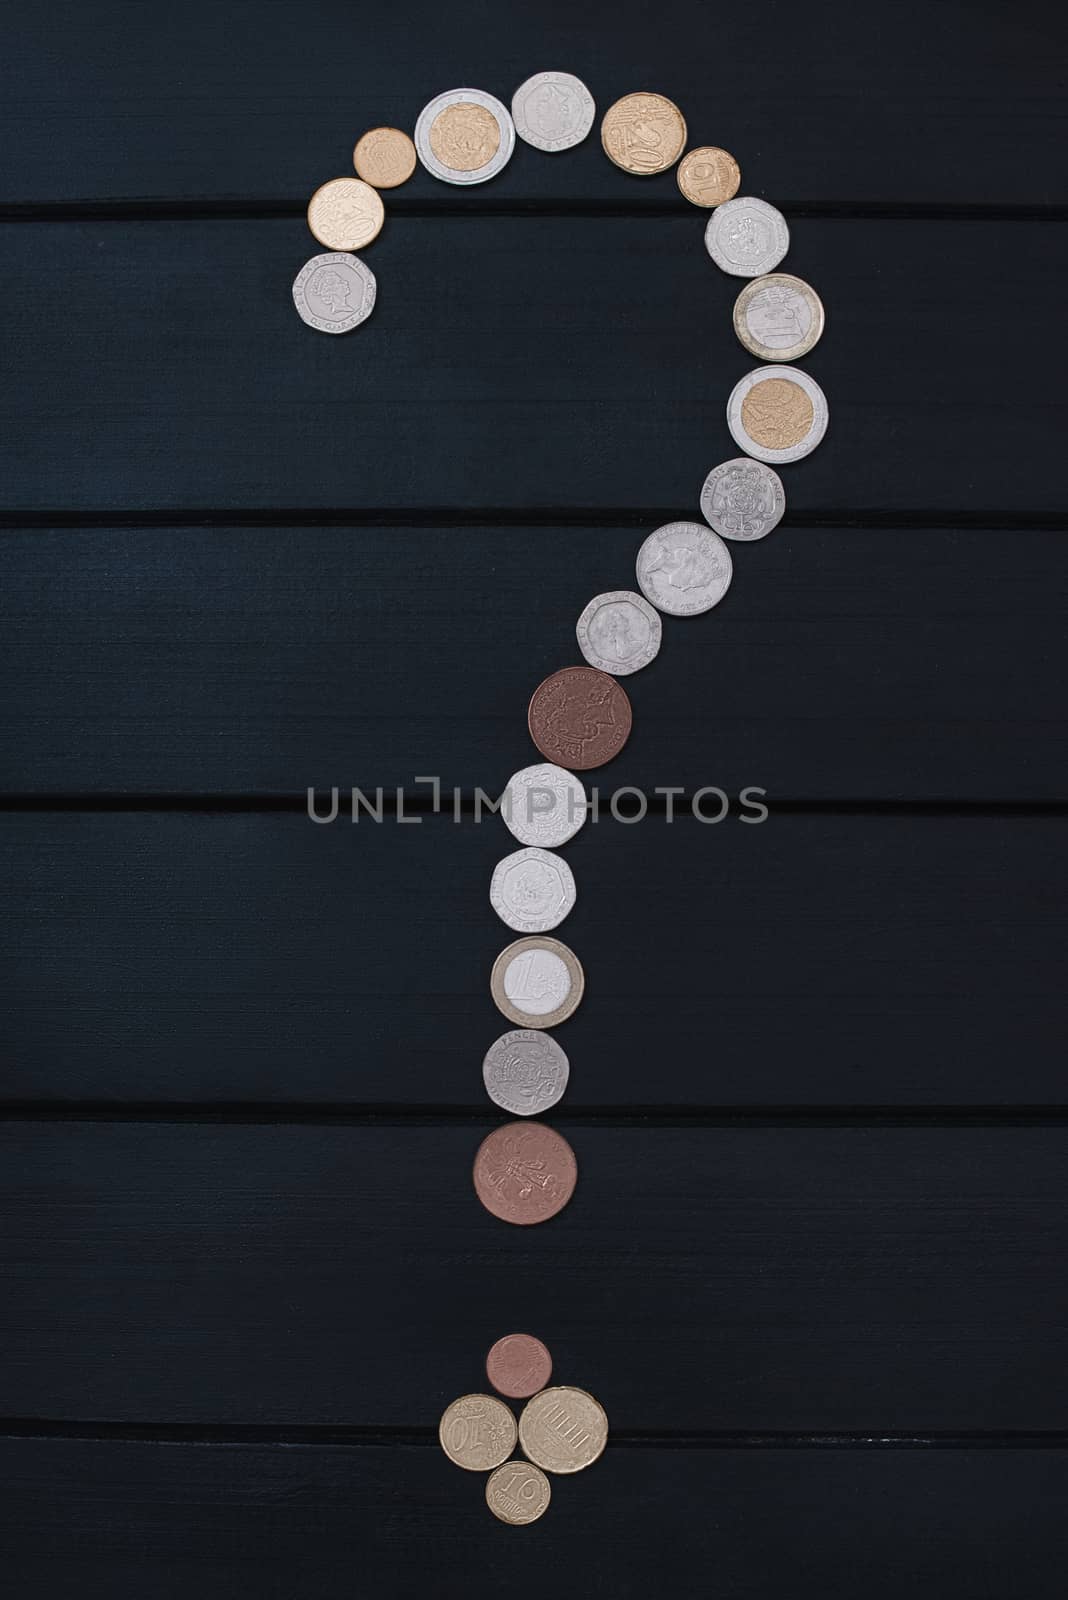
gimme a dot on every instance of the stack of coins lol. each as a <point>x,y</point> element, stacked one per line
<point>560,1430</point>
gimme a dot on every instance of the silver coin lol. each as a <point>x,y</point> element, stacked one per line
<point>777,413</point>
<point>532,890</point>
<point>334,292</point>
<point>684,568</point>
<point>464,142</point>
<point>619,632</point>
<point>525,1072</point>
<point>743,499</point>
<point>778,317</point>
<point>544,805</point>
<point>746,237</point>
<point>553,110</point>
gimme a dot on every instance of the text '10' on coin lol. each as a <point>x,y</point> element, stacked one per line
<point>743,499</point>
<point>619,632</point>
<point>778,317</point>
<point>525,1072</point>
<point>746,237</point>
<point>334,292</point>
<point>518,1493</point>
<point>464,136</point>
<point>519,1365</point>
<point>477,1432</point>
<point>684,569</point>
<point>532,890</point>
<point>384,157</point>
<point>563,1429</point>
<point>777,414</point>
<point>580,717</point>
<point>537,982</point>
<point>643,133</point>
<point>544,805</point>
<point>553,111</point>
<point>525,1172</point>
<point>708,176</point>
<point>346,214</point>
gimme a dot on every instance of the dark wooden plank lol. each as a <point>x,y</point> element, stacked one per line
<point>811,960</point>
<point>821,103</point>
<point>107,1519</point>
<point>507,365</point>
<point>872,663</point>
<point>895,1279</point>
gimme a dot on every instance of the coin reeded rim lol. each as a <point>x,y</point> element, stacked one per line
<point>494,1401</point>
<point>532,1466</point>
<point>793,452</point>
<point>776,280</point>
<point>652,94</point>
<point>363,184</point>
<point>527,1019</point>
<point>562,1388</point>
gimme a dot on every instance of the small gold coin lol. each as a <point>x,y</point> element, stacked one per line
<point>563,1430</point>
<point>708,176</point>
<point>518,1493</point>
<point>345,214</point>
<point>643,133</point>
<point>778,317</point>
<point>384,157</point>
<point>477,1432</point>
<point>465,136</point>
<point>777,413</point>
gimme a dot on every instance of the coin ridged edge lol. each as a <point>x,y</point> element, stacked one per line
<point>563,1388</point>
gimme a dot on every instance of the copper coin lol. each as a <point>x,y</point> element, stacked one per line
<point>519,1365</point>
<point>346,214</point>
<point>579,718</point>
<point>708,176</point>
<point>384,157</point>
<point>525,1172</point>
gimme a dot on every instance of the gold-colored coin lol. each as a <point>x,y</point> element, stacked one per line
<point>708,176</point>
<point>778,317</point>
<point>518,1493</point>
<point>563,1429</point>
<point>345,214</point>
<point>477,1432</point>
<point>777,414</point>
<point>643,133</point>
<point>384,157</point>
<point>465,136</point>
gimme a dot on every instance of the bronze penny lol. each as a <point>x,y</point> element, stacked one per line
<point>579,718</point>
<point>519,1365</point>
<point>384,157</point>
<point>525,1172</point>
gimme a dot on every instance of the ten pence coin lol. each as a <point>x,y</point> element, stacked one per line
<point>643,133</point>
<point>477,1432</point>
<point>777,414</point>
<point>563,1429</point>
<point>684,568</point>
<point>518,1493</point>
<point>525,1072</point>
<point>346,214</point>
<point>519,1365</point>
<point>579,717</point>
<point>525,1172</point>
<point>384,157</point>
<point>708,176</point>
<point>537,982</point>
<point>778,317</point>
<point>619,632</point>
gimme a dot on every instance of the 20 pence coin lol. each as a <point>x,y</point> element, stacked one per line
<point>743,499</point>
<point>335,292</point>
<point>532,890</point>
<point>619,632</point>
<point>525,1072</point>
<point>544,804</point>
<point>746,237</point>
<point>553,111</point>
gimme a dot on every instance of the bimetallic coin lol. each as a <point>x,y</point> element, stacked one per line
<point>708,176</point>
<point>544,805</point>
<point>643,133</point>
<point>519,1365</point>
<point>532,890</point>
<point>579,715</point>
<point>526,1073</point>
<point>553,110</point>
<point>777,413</point>
<point>747,237</point>
<point>778,317</point>
<point>346,214</point>
<point>743,499</point>
<point>563,1429</point>
<point>464,136</point>
<point>537,982</point>
<point>518,1493</point>
<point>384,157</point>
<point>334,292</point>
<point>477,1432</point>
<point>619,632</point>
<point>525,1172</point>
<point>683,568</point>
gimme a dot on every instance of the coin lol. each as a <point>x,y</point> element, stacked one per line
<point>518,1493</point>
<point>743,499</point>
<point>619,632</point>
<point>553,110</point>
<point>708,176</point>
<point>544,805</point>
<point>525,1072</point>
<point>537,980</point>
<point>519,1365</point>
<point>464,136</point>
<point>777,413</point>
<point>643,133</point>
<point>580,716</point>
<point>532,890</point>
<point>778,317</point>
<point>477,1432</point>
<point>346,214</point>
<point>334,292</point>
<point>563,1429</point>
<point>384,157</point>
<point>525,1172</point>
<point>747,237</point>
<point>684,569</point>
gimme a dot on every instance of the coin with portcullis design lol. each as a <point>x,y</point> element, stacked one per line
<point>525,1072</point>
<point>518,1493</point>
<point>477,1432</point>
<point>525,1172</point>
<point>579,717</point>
<point>519,1365</point>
